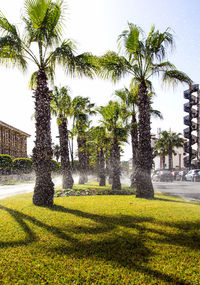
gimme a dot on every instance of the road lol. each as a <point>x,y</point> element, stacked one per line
<point>11,190</point>
<point>185,189</point>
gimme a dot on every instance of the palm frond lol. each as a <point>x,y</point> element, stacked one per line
<point>113,66</point>
<point>156,114</point>
<point>161,67</point>
<point>83,64</point>
<point>44,21</point>
<point>156,43</point>
<point>6,27</point>
<point>174,77</point>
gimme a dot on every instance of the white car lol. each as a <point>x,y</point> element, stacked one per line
<point>192,175</point>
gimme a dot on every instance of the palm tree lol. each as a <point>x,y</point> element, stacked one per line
<point>129,97</point>
<point>56,151</point>
<point>143,57</point>
<point>166,144</point>
<point>61,107</point>
<point>43,20</point>
<point>101,141</point>
<point>82,109</point>
<point>113,120</point>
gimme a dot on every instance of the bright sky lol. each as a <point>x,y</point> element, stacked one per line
<point>95,26</point>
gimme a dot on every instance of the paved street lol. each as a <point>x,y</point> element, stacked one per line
<point>11,190</point>
<point>185,189</point>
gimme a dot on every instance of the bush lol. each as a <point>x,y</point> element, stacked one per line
<point>22,165</point>
<point>6,162</point>
<point>55,167</point>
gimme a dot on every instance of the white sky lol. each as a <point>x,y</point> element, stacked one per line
<point>95,26</point>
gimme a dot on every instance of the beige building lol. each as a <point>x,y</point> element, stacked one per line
<point>177,160</point>
<point>13,141</point>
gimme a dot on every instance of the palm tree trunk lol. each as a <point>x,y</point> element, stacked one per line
<point>116,184</point>
<point>144,187</point>
<point>102,175</point>
<point>163,160</point>
<point>82,160</point>
<point>134,144</point>
<point>67,180</point>
<point>170,158</point>
<point>110,167</point>
<point>98,165</point>
<point>42,152</point>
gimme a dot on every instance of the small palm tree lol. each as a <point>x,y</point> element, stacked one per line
<point>142,58</point>
<point>82,109</point>
<point>42,45</point>
<point>114,122</point>
<point>101,141</point>
<point>166,144</point>
<point>61,107</point>
<point>56,151</point>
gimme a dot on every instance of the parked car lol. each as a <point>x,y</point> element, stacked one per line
<point>181,175</point>
<point>162,175</point>
<point>175,174</point>
<point>197,177</point>
<point>193,175</point>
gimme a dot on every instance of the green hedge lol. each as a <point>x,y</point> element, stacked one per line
<point>55,167</point>
<point>22,165</point>
<point>5,162</point>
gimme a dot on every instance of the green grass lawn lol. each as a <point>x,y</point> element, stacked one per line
<point>100,240</point>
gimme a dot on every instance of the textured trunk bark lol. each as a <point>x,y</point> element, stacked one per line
<point>134,144</point>
<point>82,160</point>
<point>102,175</point>
<point>144,187</point>
<point>42,152</point>
<point>67,180</point>
<point>170,158</point>
<point>109,167</point>
<point>98,165</point>
<point>116,184</point>
<point>163,166</point>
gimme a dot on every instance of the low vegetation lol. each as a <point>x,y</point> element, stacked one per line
<point>110,239</point>
<point>92,189</point>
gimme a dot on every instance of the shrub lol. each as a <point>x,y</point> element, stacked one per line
<point>55,167</point>
<point>6,162</point>
<point>22,165</point>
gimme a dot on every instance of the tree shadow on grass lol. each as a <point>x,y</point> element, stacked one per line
<point>30,236</point>
<point>120,248</point>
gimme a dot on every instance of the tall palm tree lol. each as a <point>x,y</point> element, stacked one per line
<point>142,58</point>
<point>61,107</point>
<point>82,109</point>
<point>43,21</point>
<point>113,120</point>
<point>166,144</point>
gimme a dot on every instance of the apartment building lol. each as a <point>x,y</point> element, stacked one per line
<point>13,141</point>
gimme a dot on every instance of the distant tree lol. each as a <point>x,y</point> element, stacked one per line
<point>56,151</point>
<point>167,143</point>
<point>100,140</point>
<point>61,107</point>
<point>82,109</point>
<point>113,121</point>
